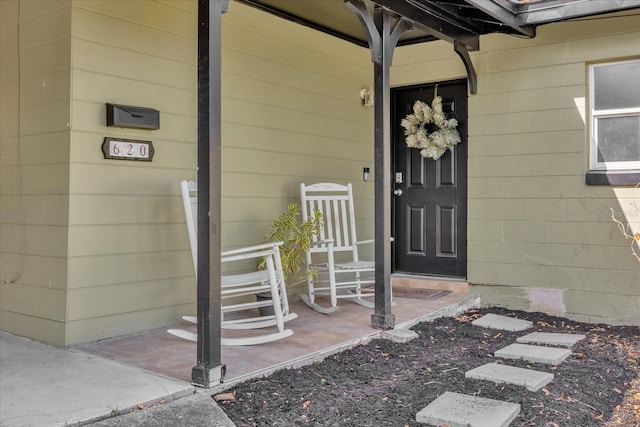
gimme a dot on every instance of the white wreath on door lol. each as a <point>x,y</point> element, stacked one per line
<point>429,130</point>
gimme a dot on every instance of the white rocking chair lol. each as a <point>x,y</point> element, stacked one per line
<point>270,280</point>
<point>353,278</point>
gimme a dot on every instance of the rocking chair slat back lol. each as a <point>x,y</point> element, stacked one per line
<point>335,203</point>
<point>343,276</point>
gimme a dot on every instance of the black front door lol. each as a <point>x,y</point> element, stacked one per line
<point>430,201</point>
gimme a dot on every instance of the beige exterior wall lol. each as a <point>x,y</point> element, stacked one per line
<point>539,238</point>
<point>291,113</point>
<point>35,50</point>
<point>129,268</point>
<point>94,248</point>
<point>101,245</point>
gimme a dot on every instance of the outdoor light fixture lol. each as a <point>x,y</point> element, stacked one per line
<point>367,97</point>
<point>365,174</point>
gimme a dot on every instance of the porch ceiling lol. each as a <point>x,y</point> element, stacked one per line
<point>451,20</point>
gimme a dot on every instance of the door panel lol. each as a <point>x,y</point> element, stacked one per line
<point>446,171</point>
<point>445,231</point>
<point>416,215</point>
<point>430,216</point>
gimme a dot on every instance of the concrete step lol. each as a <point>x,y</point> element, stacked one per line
<point>495,321</point>
<point>534,353</point>
<point>560,340</point>
<point>529,378</point>
<point>461,410</point>
<point>400,280</point>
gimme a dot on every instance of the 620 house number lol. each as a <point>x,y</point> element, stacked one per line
<point>127,149</point>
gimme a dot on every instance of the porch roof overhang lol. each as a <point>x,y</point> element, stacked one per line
<point>459,21</point>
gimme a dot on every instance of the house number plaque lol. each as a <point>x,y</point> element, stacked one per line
<point>127,149</point>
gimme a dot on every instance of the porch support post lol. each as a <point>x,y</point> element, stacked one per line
<point>383,38</point>
<point>209,370</point>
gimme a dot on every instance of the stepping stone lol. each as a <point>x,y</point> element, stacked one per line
<point>495,321</point>
<point>562,340</point>
<point>534,353</point>
<point>461,410</point>
<point>399,335</point>
<point>532,380</point>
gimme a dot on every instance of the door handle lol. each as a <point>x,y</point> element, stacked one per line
<point>397,192</point>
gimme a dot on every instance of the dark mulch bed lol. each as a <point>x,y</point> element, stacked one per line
<point>386,384</point>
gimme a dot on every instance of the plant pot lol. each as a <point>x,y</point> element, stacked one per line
<point>267,310</point>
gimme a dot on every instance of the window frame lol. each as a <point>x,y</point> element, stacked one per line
<point>594,115</point>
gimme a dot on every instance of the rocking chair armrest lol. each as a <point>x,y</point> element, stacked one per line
<point>365,242</point>
<point>369,241</point>
<point>249,255</point>
<point>254,248</point>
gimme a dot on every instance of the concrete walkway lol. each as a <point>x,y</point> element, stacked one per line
<point>44,386</point>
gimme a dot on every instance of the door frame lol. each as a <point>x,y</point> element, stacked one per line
<point>395,141</point>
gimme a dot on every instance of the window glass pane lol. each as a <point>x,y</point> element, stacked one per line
<point>617,86</point>
<point>619,139</point>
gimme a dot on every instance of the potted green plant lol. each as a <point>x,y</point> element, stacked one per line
<point>296,235</point>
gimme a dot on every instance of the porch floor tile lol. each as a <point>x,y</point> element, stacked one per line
<point>314,333</point>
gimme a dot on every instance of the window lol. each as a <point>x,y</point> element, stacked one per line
<point>615,117</point>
